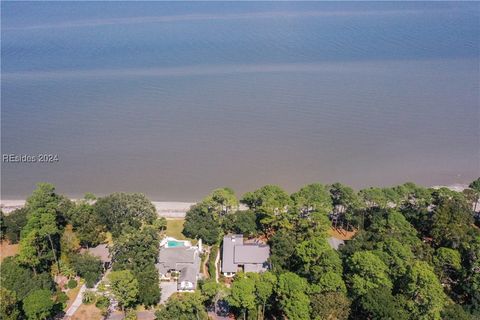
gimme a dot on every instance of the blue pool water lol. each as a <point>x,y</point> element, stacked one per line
<point>173,243</point>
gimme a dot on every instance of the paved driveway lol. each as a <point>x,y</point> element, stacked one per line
<point>76,303</point>
<point>168,288</point>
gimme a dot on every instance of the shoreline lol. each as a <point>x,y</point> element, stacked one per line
<point>167,209</point>
<point>175,209</point>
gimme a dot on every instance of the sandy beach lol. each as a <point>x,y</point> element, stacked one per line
<point>167,209</point>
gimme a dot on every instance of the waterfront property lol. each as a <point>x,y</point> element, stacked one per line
<point>180,261</point>
<point>238,254</point>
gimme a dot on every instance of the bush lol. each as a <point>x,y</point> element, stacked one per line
<point>72,283</point>
<point>102,303</point>
<point>91,279</point>
<point>61,297</point>
<point>89,297</point>
<point>131,315</point>
<point>211,262</point>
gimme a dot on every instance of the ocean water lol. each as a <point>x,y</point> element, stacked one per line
<point>175,99</point>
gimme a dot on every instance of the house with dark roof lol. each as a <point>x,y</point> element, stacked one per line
<point>237,254</point>
<point>181,263</point>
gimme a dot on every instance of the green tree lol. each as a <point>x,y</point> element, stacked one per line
<point>184,306</point>
<point>264,286</point>
<point>330,281</point>
<point>124,287</point>
<point>241,222</point>
<point>28,254</point>
<point>47,228</point>
<point>125,211</point>
<point>345,204</point>
<point>313,197</point>
<point>223,200</point>
<point>271,203</point>
<point>44,197</point>
<point>470,281</point>
<point>87,224</point>
<point>317,258</point>
<point>148,288</point>
<point>13,224</point>
<point>380,304</point>
<point>14,277</point>
<point>450,223</point>
<point>88,267</point>
<point>330,306</point>
<point>475,186</point>
<point>209,289</point>
<point>282,246</point>
<point>396,255</point>
<point>455,312</point>
<point>367,271</point>
<point>9,307</point>
<point>292,296</point>
<point>374,197</point>
<point>424,292</point>
<point>242,295</point>
<point>135,250</point>
<point>448,263</point>
<point>38,305</point>
<point>69,241</point>
<point>200,222</point>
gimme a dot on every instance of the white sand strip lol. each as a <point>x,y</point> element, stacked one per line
<point>168,209</point>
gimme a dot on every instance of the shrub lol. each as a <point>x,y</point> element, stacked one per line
<point>61,297</point>
<point>131,315</point>
<point>89,297</point>
<point>211,262</point>
<point>72,283</point>
<point>102,303</point>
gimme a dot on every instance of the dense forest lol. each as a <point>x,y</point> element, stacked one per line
<point>414,254</point>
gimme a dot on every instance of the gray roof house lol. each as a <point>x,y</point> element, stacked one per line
<point>184,260</point>
<point>101,251</point>
<point>235,254</point>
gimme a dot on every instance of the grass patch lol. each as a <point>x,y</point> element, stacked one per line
<point>87,312</point>
<point>174,228</point>
<point>8,250</point>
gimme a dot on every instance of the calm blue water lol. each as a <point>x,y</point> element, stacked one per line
<point>175,99</point>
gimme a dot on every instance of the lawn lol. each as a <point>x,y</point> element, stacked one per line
<point>87,312</point>
<point>7,249</point>
<point>174,228</point>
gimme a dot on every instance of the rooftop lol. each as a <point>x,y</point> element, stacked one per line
<point>101,251</point>
<point>253,256</point>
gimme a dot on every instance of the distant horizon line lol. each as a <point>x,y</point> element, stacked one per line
<point>219,16</point>
<point>219,69</point>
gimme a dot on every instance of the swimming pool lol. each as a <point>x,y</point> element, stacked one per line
<point>173,243</point>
